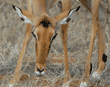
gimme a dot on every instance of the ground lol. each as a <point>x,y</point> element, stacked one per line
<point>12,31</point>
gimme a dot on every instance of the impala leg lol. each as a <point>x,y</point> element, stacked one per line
<point>19,63</point>
<point>101,56</point>
<point>64,40</point>
<point>87,68</point>
<point>95,5</point>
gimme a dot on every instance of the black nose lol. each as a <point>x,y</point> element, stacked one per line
<point>40,70</point>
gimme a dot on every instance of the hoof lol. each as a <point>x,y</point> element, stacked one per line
<point>83,84</point>
<point>96,75</point>
<point>66,86</point>
<point>10,85</point>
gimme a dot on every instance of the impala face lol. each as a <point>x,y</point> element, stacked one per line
<point>44,32</point>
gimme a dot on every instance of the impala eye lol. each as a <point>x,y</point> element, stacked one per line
<point>36,37</point>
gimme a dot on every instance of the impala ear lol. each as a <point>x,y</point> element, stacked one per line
<point>25,16</point>
<point>66,16</point>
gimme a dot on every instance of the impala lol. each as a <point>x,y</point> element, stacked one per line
<point>42,27</point>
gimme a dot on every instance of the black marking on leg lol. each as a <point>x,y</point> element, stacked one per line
<point>78,8</point>
<point>104,58</point>
<point>90,67</point>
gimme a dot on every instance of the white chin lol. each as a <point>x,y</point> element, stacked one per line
<point>37,73</point>
<point>42,73</point>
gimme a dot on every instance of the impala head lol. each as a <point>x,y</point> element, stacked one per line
<point>44,32</point>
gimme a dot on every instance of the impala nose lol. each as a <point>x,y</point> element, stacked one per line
<point>40,71</point>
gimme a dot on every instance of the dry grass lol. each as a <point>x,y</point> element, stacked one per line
<point>12,31</point>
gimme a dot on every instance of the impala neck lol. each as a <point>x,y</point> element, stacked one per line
<point>38,7</point>
<point>41,7</point>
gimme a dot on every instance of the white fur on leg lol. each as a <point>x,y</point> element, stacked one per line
<point>96,75</point>
<point>66,86</point>
<point>10,85</point>
<point>83,84</point>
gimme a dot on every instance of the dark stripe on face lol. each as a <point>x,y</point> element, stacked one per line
<point>33,34</point>
<point>52,40</point>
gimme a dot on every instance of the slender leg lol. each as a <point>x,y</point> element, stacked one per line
<point>19,63</point>
<point>101,51</point>
<point>64,40</point>
<point>95,4</point>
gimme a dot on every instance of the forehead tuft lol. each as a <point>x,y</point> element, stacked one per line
<point>45,22</point>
